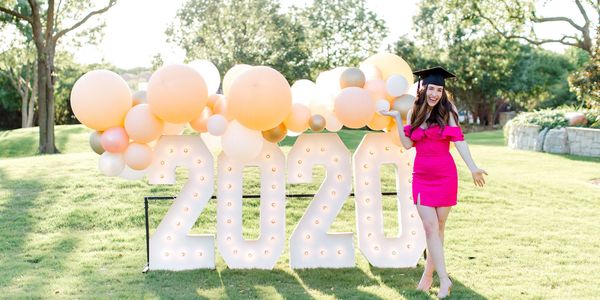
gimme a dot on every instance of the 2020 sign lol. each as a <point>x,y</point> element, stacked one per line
<point>311,246</point>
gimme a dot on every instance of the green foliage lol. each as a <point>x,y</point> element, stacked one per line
<point>555,118</point>
<point>237,31</point>
<point>340,33</point>
<point>586,82</point>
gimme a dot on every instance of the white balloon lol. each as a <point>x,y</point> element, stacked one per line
<point>322,103</point>
<point>303,91</point>
<point>111,164</point>
<point>172,128</point>
<point>216,124</point>
<point>209,72</point>
<point>332,123</point>
<point>382,105</point>
<point>396,85</point>
<point>240,143</point>
<point>131,174</point>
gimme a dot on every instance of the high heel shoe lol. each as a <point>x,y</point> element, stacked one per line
<point>442,295</point>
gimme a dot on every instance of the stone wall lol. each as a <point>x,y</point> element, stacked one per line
<point>569,140</point>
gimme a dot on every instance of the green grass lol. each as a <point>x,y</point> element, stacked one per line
<point>67,231</point>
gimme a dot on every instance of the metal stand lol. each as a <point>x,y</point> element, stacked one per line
<point>146,206</point>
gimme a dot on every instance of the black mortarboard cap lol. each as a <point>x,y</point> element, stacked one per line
<point>435,75</point>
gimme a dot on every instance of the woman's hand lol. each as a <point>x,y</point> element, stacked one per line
<point>478,179</point>
<point>390,113</point>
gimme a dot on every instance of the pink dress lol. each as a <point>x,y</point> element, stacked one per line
<point>435,179</point>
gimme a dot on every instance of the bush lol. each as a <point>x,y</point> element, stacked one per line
<point>555,118</point>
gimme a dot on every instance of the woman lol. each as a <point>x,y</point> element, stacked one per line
<point>432,124</point>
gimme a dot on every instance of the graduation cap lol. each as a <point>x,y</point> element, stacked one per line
<point>435,75</point>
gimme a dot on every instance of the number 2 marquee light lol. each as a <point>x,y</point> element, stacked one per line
<point>135,137</point>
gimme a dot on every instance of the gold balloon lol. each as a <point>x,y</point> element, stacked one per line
<point>275,135</point>
<point>352,77</point>
<point>95,142</point>
<point>403,104</point>
<point>316,123</point>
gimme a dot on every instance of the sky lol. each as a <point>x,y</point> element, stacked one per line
<point>135,29</point>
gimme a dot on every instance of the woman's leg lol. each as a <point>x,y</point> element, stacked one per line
<point>442,214</point>
<point>427,277</point>
<point>431,225</point>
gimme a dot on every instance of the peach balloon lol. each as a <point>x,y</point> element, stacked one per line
<point>138,156</point>
<point>297,120</point>
<point>260,98</point>
<point>354,107</point>
<point>231,75</point>
<point>173,128</point>
<point>114,140</point>
<point>100,99</point>
<point>390,64</point>
<point>212,99</point>
<point>376,89</point>
<point>142,125</point>
<point>199,124</point>
<point>371,72</point>
<point>332,123</point>
<point>177,93</point>
<point>222,107</point>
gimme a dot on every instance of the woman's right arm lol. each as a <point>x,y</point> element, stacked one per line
<point>407,143</point>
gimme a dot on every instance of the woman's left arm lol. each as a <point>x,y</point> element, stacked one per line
<point>463,150</point>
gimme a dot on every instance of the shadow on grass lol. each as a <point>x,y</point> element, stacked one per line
<point>64,134</point>
<point>404,281</point>
<point>339,283</point>
<point>20,146</point>
<point>15,222</point>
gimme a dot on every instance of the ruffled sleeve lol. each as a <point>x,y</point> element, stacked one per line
<point>453,133</point>
<point>416,135</point>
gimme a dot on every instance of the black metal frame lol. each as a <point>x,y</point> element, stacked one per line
<point>146,206</point>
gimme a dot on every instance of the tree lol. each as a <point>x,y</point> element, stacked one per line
<point>47,22</point>
<point>18,66</point>
<point>229,32</point>
<point>340,32</point>
<point>585,82</point>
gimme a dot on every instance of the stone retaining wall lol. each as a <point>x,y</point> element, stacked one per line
<point>569,140</point>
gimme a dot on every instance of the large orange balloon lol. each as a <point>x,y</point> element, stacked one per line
<point>142,125</point>
<point>354,107</point>
<point>222,107</point>
<point>199,124</point>
<point>138,156</point>
<point>260,98</point>
<point>297,120</point>
<point>231,75</point>
<point>390,64</point>
<point>177,93</point>
<point>100,99</point>
<point>376,89</point>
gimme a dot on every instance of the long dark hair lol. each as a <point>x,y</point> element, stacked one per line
<point>440,113</point>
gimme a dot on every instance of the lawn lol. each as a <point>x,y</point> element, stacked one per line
<point>68,231</point>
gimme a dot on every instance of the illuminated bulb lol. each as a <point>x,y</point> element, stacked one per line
<point>178,224</point>
<point>273,187</point>
<point>266,252</point>
<point>339,252</point>
<point>410,197</point>
<point>183,253</point>
<point>273,204</point>
<point>249,255</point>
<point>299,161</point>
<point>229,204</point>
<point>401,150</point>
<point>335,159</point>
<point>273,169</point>
<point>376,248</point>
<point>299,175</point>
<point>201,178</point>
<point>228,186</point>
<point>410,180</point>
<point>317,221</point>
<point>171,150</point>
<point>162,176</point>
<point>307,149</point>
<point>306,253</point>
<point>369,234</point>
<point>369,218</point>
<point>186,209</point>
<point>235,251</point>
<point>185,150</point>
<point>162,162</point>
<point>229,169</point>
<point>199,161</point>
<point>322,252</point>
<point>200,253</point>
<point>367,200</point>
<point>333,193</point>
<point>387,148</point>
<point>414,232</point>
<point>268,156</point>
<point>167,254</point>
<point>407,246</point>
<point>394,252</point>
<point>273,221</point>
<point>272,238</point>
<point>196,195</point>
<point>324,207</point>
<point>322,149</point>
<point>366,183</point>
<point>371,152</point>
<point>365,166</point>
<point>308,236</point>
<point>169,238</point>
<point>339,177</point>
<point>412,215</point>
<point>408,163</point>
<point>228,221</point>
<point>228,238</point>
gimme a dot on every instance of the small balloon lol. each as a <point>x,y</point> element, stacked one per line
<point>142,125</point>
<point>222,106</point>
<point>316,123</point>
<point>396,85</point>
<point>241,143</point>
<point>352,77</point>
<point>275,135</point>
<point>114,140</point>
<point>199,124</point>
<point>298,118</point>
<point>216,125</point>
<point>382,105</point>
<point>111,164</point>
<point>95,142</point>
<point>403,104</point>
<point>371,71</point>
<point>138,156</point>
<point>332,123</point>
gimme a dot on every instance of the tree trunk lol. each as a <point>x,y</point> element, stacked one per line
<point>32,96</point>
<point>46,99</point>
